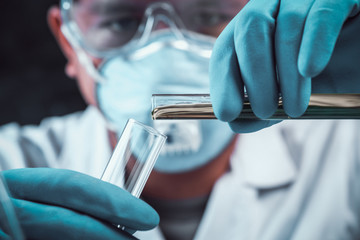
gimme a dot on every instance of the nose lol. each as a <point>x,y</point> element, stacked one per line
<point>162,15</point>
<point>161,25</point>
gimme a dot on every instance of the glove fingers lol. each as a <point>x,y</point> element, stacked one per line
<point>254,44</point>
<point>321,32</point>
<point>226,87</point>
<point>295,89</point>
<point>82,193</point>
<point>248,126</point>
<point>40,221</point>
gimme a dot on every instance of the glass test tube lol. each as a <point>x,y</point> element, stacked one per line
<point>198,106</point>
<point>134,157</point>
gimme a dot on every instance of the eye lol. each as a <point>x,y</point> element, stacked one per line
<point>123,24</point>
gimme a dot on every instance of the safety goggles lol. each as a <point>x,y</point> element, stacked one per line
<point>107,27</point>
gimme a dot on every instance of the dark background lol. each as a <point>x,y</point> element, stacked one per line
<point>33,84</point>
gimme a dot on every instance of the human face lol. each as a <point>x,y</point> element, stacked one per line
<point>75,69</point>
<point>102,31</point>
<point>101,18</point>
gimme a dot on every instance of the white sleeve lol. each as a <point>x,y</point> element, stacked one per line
<point>31,146</point>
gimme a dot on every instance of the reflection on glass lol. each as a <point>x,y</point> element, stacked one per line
<point>134,157</point>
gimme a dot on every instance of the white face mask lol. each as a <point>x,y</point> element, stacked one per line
<point>131,81</point>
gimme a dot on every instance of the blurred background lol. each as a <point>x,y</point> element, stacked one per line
<point>32,80</point>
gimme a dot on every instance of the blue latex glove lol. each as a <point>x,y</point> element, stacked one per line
<point>63,204</point>
<point>277,47</point>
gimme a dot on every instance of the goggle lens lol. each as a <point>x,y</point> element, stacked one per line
<point>110,24</point>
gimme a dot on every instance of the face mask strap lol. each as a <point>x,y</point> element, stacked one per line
<point>86,62</point>
<point>84,59</point>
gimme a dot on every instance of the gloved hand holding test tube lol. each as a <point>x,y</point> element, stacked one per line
<point>32,195</point>
<point>198,106</point>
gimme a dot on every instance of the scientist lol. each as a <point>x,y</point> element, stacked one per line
<point>294,180</point>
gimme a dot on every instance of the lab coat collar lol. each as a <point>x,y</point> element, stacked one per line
<point>263,159</point>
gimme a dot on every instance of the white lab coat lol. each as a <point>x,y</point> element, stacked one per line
<point>296,180</point>
<point>78,142</point>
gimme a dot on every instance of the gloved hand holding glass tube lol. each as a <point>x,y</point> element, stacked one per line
<point>292,48</point>
<point>63,204</point>
<point>44,198</point>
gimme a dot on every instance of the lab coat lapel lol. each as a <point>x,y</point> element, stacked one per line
<point>260,161</point>
<point>225,215</point>
<point>264,160</point>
